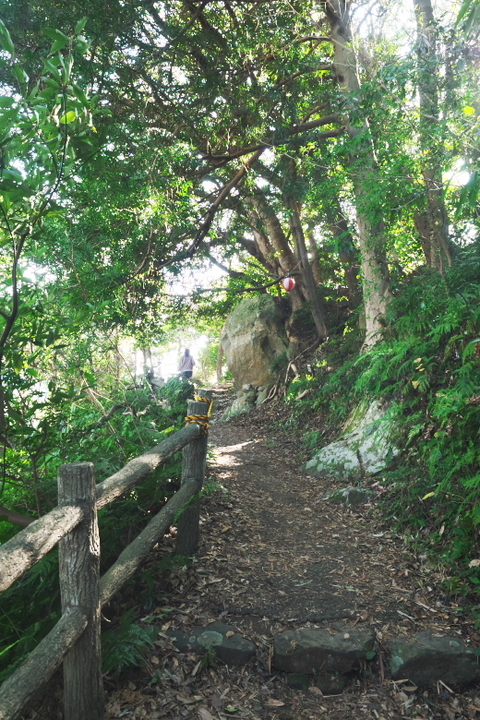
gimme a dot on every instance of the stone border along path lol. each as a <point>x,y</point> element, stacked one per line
<point>334,588</point>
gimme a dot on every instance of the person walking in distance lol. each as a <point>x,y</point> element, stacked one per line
<point>186,364</point>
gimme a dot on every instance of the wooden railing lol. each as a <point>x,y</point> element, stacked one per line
<point>75,639</point>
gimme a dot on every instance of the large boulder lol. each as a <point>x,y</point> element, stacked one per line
<point>364,449</point>
<point>253,340</point>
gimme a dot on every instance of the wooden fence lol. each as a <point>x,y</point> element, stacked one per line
<point>75,639</point>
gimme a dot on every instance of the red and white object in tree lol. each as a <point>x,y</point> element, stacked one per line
<point>288,283</point>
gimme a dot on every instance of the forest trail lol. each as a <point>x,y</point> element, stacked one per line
<point>274,556</point>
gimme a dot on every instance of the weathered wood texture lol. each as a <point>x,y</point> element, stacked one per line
<point>31,544</point>
<point>82,594</point>
<point>194,460</point>
<point>130,559</point>
<point>18,690</point>
<point>142,466</point>
<point>79,555</point>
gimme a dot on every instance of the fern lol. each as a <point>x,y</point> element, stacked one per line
<point>125,646</point>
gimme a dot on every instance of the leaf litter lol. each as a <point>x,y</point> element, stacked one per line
<point>276,556</point>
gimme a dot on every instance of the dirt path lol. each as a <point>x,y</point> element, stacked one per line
<point>274,556</point>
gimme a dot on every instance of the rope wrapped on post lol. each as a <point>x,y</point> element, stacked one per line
<point>202,420</point>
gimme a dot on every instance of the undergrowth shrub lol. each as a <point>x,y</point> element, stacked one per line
<point>428,366</point>
<point>31,607</point>
<point>429,363</point>
<point>322,399</point>
<point>125,645</point>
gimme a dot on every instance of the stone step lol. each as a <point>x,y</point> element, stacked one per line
<point>326,657</point>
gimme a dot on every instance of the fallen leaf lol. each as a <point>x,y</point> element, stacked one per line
<point>217,702</point>
<point>274,703</point>
<point>205,714</point>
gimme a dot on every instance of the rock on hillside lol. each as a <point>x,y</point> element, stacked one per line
<point>254,339</point>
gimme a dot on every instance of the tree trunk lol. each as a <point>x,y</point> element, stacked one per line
<point>347,251</point>
<point>314,258</point>
<point>438,253</point>
<point>371,239</point>
<point>316,308</point>
<point>14,518</point>
<point>278,245</point>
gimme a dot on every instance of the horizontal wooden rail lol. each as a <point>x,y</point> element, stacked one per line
<point>38,668</point>
<point>133,555</point>
<point>143,466</point>
<point>33,542</point>
<point>76,511</point>
<point>28,546</point>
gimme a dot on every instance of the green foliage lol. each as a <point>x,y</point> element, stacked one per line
<point>28,611</point>
<point>325,396</point>
<point>469,16</point>
<point>31,607</point>
<point>428,366</point>
<point>125,646</point>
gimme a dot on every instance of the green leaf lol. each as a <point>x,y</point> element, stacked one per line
<point>5,39</point>
<point>69,117</point>
<point>55,34</point>
<point>80,25</point>
<point>50,66</point>
<point>4,650</point>
<point>82,44</point>
<point>59,45</point>
<point>80,94</point>
<point>14,415</point>
<point>6,101</point>
<point>20,74</point>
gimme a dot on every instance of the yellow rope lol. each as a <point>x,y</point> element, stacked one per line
<point>199,420</point>
<point>207,400</point>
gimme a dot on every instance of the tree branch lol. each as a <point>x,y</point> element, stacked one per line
<point>14,518</point>
<point>223,194</point>
<point>256,288</point>
<point>219,160</point>
<point>231,273</point>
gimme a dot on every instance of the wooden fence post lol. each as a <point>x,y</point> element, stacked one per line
<point>79,553</point>
<point>194,460</point>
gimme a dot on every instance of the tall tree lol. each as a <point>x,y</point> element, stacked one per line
<point>433,222</point>
<point>371,230</point>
